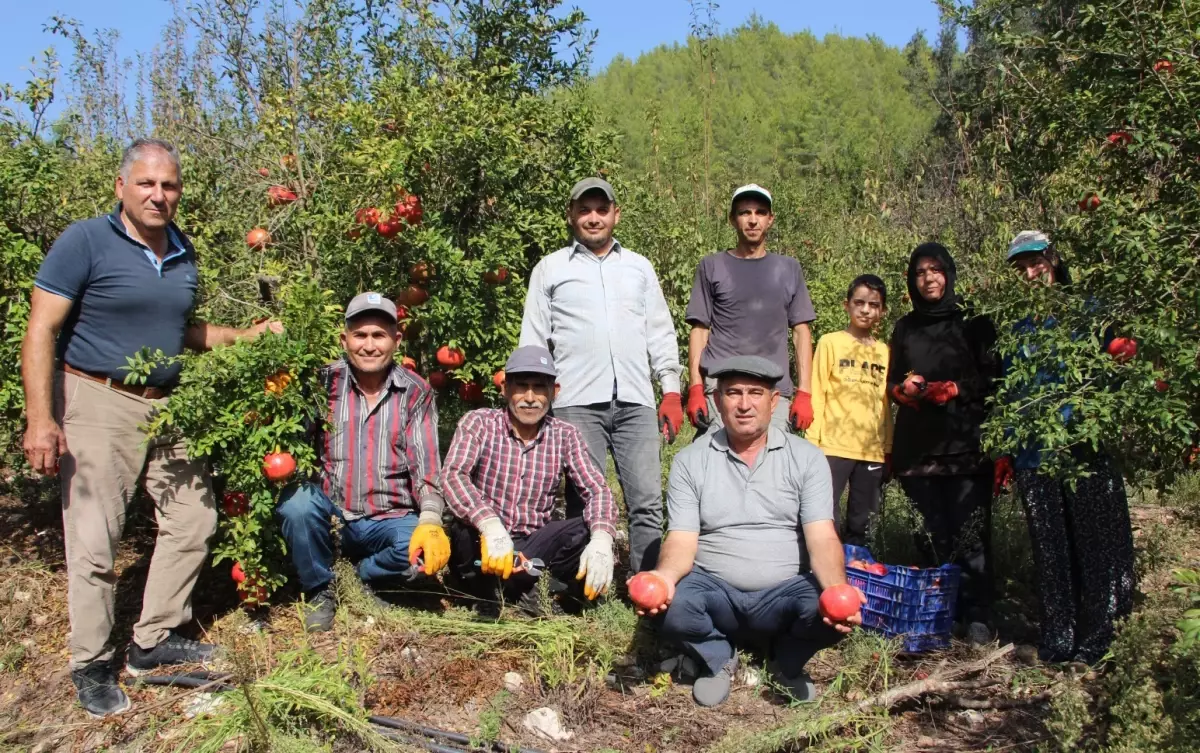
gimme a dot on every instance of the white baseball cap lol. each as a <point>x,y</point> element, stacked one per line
<point>752,189</point>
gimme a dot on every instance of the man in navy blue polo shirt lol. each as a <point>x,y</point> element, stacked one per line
<point>109,287</point>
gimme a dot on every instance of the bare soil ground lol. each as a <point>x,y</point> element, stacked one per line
<point>456,685</point>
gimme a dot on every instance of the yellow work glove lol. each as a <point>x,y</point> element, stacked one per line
<point>429,541</point>
<point>495,549</point>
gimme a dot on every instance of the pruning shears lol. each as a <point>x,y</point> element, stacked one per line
<point>522,564</point>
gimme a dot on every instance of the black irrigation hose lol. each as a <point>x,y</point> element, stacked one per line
<point>191,680</point>
<point>416,734</point>
<point>454,737</point>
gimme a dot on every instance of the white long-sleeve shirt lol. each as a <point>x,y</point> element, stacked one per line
<point>606,322</point>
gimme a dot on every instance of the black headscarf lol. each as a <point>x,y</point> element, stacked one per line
<point>945,306</point>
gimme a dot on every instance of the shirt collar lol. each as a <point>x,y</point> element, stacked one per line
<point>174,236</point>
<point>578,248</point>
<point>395,378</point>
<point>720,440</point>
<point>508,424</point>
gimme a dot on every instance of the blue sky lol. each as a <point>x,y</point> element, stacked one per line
<point>627,27</point>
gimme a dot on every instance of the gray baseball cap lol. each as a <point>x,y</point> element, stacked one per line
<point>531,359</point>
<point>592,184</point>
<point>751,366</point>
<point>364,303</point>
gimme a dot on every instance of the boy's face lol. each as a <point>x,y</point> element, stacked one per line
<point>865,308</point>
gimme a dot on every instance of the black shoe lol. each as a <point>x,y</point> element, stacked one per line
<point>98,691</point>
<point>174,650</point>
<point>319,611</point>
<point>532,604</point>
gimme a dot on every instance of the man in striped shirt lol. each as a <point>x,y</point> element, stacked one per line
<point>501,477</point>
<point>379,467</point>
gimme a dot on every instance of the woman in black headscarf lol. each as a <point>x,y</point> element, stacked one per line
<point>941,372</point>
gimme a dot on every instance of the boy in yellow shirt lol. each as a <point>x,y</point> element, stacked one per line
<point>852,421</point>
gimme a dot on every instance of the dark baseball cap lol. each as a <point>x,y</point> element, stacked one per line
<point>592,184</point>
<point>751,366</point>
<point>370,303</point>
<point>531,359</point>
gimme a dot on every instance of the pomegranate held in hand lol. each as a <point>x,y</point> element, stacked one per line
<point>648,590</point>
<point>839,603</point>
<point>914,385</point>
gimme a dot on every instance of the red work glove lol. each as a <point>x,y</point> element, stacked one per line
<point>670,415</point>
<point>1002,475</point>
<point>801,414</point>
<point>897,393</point>
<point>697,407</point>
<point>940,393</point>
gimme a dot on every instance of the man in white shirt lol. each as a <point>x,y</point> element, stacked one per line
<point>598,307</point>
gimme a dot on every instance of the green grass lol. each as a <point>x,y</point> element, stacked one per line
<point>564,649</point>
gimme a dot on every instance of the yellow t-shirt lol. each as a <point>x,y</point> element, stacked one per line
<point>851,415</point>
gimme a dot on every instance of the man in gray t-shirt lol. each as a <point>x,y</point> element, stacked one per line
<point>744,302</point>
<point>751,541</point>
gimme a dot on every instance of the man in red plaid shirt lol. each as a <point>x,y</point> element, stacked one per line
<point>500,480</point>
<point>379,469</point>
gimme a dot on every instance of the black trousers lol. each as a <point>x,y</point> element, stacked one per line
<point>558,544</point>
<point>1083,552</point>
<point>866,483</point>
<point>958,529</point>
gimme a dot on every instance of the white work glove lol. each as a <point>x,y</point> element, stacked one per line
<point>596,563</point>
<point>495,548</point>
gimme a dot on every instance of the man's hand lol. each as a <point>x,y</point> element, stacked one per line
<point>495,548</point>
<point>940,393</point>
<point>429,541</point>
<point>1002,475</point>
<point>44,444</point>
<point>800,417</point>
<point>273,325</point>
<point>887,467</point>
<point>852,621</point>
<point>670,415</point>
<point>667,601</point>
<point>697,407</point>
<point>596,563</point>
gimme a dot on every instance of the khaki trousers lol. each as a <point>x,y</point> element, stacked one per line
<point>107,454</point>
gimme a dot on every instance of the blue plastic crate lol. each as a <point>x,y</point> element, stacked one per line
<point>909,602</point>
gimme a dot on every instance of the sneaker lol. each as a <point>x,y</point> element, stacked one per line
<point>800,687</point>
<point>319,611</point>
<point>713,690</point>
<point>98,691</point>
<point>175,649</point>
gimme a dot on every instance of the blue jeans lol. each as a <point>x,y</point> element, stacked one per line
<point>631,432</point>
<point>379,545</point>
<point>708,616</point>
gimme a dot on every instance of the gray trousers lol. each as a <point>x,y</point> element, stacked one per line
<point>630,431</point>
<point>709,617</point>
